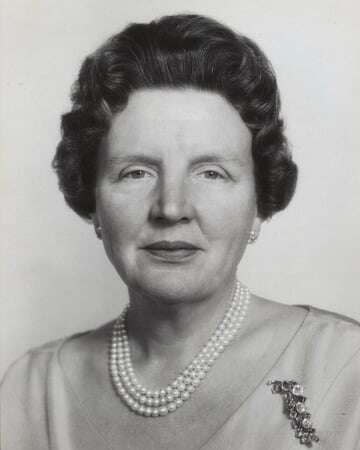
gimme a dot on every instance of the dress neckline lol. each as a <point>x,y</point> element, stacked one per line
<point>251,360</point>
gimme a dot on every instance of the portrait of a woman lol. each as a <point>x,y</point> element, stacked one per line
<point>175,151</point>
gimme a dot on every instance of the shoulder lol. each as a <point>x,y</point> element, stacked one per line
<point>324,338</point>
<point>30,367</point>
<point>37,389</point>
<point>336,338</point>
<point>27,376</point>
<point>331,317</point>
<point>328,345</point>
<point>67,360</point>
<point>339,330</point>
<point>23,396</point>
<point>314,321</point>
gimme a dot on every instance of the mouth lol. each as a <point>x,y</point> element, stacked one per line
<point>172,250</point>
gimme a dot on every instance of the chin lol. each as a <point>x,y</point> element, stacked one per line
<point>169,287</point>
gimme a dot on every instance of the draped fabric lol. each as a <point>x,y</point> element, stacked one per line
<point>56,397</point>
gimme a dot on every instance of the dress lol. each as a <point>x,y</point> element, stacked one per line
<point>53,397</point>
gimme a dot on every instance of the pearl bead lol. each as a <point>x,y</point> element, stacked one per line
<point>185,395</point>
<point>171,407</point>
<point>161,402</point>
<point>148,412</point>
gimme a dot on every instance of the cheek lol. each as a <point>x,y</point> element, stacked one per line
<point>229,217</point>
<point>232,230</point>
<point>121,220</point>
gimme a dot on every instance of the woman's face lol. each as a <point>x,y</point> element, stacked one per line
<point>175,194</point>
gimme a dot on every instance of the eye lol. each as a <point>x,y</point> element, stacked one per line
<point>213,174</point>
<point>135,174</point>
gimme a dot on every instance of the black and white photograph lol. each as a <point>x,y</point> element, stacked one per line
<point>180,225</point>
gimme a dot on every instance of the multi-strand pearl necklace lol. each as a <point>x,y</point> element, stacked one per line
<point>155,403</point>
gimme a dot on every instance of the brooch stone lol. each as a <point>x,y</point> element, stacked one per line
<point>296,410</point>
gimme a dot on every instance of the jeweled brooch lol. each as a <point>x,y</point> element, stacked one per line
<point>296,410</point>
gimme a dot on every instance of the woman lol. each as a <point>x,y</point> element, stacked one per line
<point>175,151</point>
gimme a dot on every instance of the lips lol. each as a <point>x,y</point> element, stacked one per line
<point>172,250</point>
<point>171,246</point>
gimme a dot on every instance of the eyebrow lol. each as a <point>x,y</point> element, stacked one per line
<point>214,158</point>
<point>146,159</point>
<point>137,158</point>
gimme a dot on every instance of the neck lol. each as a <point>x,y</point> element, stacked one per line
<point>169,333</point>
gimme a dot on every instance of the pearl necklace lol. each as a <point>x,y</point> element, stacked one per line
<point>154,403</point>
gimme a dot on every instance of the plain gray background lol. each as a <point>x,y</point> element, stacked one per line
<point>55,278</point>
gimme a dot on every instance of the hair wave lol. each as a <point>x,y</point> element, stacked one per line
<point>175,51</point>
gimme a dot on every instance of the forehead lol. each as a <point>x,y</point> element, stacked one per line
<point>186,120</point>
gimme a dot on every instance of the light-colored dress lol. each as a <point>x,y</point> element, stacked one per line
<point>55,397</point>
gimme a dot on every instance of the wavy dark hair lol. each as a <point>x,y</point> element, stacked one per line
<point>175,51</point>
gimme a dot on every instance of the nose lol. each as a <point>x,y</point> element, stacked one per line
<point>172,202</point>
